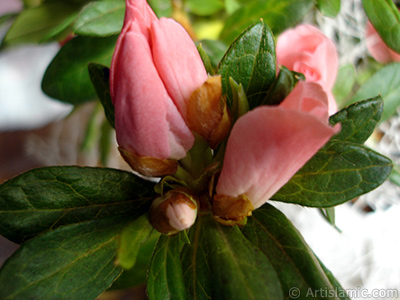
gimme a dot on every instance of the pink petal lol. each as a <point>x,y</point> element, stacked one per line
<point>267,146</point>
<point>308,97</point>
<point>147,121</point>
<point>177,61</point>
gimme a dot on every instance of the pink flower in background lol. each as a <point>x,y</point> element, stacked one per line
<point>377,47</point>
<point>305,49</point>
<point>10,6</point>
<point>269,144</point>
<point>155,69</point>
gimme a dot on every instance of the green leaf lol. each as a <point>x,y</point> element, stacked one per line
<point>138,274</point>
<point>100,78</point>
<point>385,17</point>
<point>251,61</point>
<point>282,86</point>
<point>358,120</point>
<point>204,7</point>
<point>386,83</point>
<point>329,8</point>
<point>34,25</point>
<point>67,78</point>
<point>296,265</point>
<point>338,173</point>
<point>395,175</point>
<point>162,8</point>
<point>100,18</point>
<point>214,49</point>
<point>344,83</point>
<point>206,60</point>
<point>165,279</point>
<point>278,14</point>
<point>132,237</point>
<point>106,142</point>
<point>71,262</point>
<point>227,264</point>
<point>46,198</point>
<point>240,104</point>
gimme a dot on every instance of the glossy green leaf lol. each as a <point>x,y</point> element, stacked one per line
<point>100,78</point>
<point>338,173</point>
<point>329,8</point>
<point>165,279</point>
<point>385,17</point>
<point>162,8</point>
<point>386,83</point>
<point>67,78</point>
<point>46,198</point>
<point>251,61</point>
<point>297,267</point>
<point>344,84</point>
<point>132,237</point>
<point>277,14</point>
<point>206,60</point>
<point>220,263</point>
<point>282,86</point>
<point>138,274</point>
<point>204,7</point>
<point>358,120</point>
<point>72,262</point>
<point>100,18</point>
<point>37,24</point>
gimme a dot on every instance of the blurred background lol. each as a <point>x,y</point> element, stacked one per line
<point>37,130</point>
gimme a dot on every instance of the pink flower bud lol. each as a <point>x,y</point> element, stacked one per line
<point>174,212</point>
<point>154,70</point>
<point>305,49</point>
<point>268,145</point>
<point>377,47</point>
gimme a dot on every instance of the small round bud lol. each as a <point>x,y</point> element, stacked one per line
<point>174,212</point>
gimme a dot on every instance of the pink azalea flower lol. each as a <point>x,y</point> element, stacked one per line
<point>305,49</point>
<point>377,47</point>
<point>269,144</point>
<point>155,69</point>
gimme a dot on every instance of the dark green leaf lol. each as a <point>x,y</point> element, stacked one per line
<point>72,262</point>
<point>358,120</point>
<point>100,18</point>
<point>386,83</point>
<point>165,279</point>
<point>67,78</point>
<point>251,61</point>
<point>206,60</point>
<point>46,198</point>
<point>34,25</point>
<point>137,275</point>
<point>339,172</point>
<point>329,8</point>
<point>204,7</point>
<point>162,8</point>
<point>132,237</point>
<point>227,264</point>
<point>297,267</point>
<point>278,14</point>
<point>100,77</point>
<point>281,87</point>
<point>385,17</point>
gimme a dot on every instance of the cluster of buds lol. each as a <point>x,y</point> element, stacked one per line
<point>163,98</point>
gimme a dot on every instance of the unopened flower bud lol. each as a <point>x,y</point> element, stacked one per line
<point>207,112</point>
<point>174,212</point>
